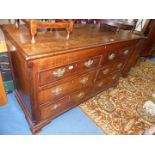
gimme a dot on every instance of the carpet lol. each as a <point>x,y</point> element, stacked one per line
<point>119,110</point>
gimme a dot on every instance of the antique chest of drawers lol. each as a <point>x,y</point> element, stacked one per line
<point>54,74</point>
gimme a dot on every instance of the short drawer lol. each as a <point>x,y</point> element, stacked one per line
<point>109,69</point>
<point>125,52</point>
<point>58,73</point>
<point>53,109</point>
<point>106,82</point>
<point>113,54</point>
<point>80,95</point>
<point>60,90</point>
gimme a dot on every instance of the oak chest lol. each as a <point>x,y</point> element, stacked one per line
<point>54,75</point>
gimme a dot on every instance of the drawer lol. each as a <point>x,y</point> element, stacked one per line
<point>109,69</point>
<point>124,52</point>
<point>53,109</point>
<point>106,82</point>
<point>121,45</point>
<point>113,54</point>
<point>80,95</point>
<point>68,58</point>
<point>58,73</point>
<point>61,90</point>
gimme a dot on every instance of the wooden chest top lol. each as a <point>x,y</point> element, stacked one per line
<point>54,42</point>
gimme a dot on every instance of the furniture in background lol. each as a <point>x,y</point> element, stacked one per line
<point>34,25</point>
<point>5,65</point>
<point>55,74</point>
<point>6,72</point>
<point>148,48</point>
<point>3,98</point>
<point>120,24</point>
<point>86,21</point>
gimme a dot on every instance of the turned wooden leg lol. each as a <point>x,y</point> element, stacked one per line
<point>68,34</point>
<point>17,23</point>
<point>33,30</point>
<point>33,38</point>
<point>70,29</point>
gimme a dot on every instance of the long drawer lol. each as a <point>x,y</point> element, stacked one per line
<point>68,58</point>
<point>61,90</point>
<point>65,71</point>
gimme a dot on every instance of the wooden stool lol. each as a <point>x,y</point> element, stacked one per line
<point>33,25</point>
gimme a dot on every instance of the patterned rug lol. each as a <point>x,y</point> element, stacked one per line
<point>120,110</point>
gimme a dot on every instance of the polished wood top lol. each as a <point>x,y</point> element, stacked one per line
<point>54,42</point>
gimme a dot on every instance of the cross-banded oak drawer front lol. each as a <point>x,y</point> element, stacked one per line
<point>53,109</point>
<point>60,90</point>
<point>68,70</point>
<point>109,69</point>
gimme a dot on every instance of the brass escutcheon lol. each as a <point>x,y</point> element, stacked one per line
<point>100,84</point>
<point>126,52</point>
<point>84,80</point>
<point>55,106</point>
<point>106,71</point>
<point>59,72</point>
<point>111,56</point>
<point>56,91</point>
<point>119,65</point>
<point>88,63</point>
<point>81,94</point>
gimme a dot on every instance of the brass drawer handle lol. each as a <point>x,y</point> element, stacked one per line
<point>55,106</point>
<point>59,72</point>
<point>106,71</point>
<point>81,94</point>
<point>114,77</point>
<point>84,80</point>
<point>119,65</point>
<point>111,56</point>
<point>126,52</point>
<point>88,63</point>
<point>100,84</point>
<point>56,91</point>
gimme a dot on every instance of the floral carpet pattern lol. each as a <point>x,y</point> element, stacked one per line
<point>119,110</point>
